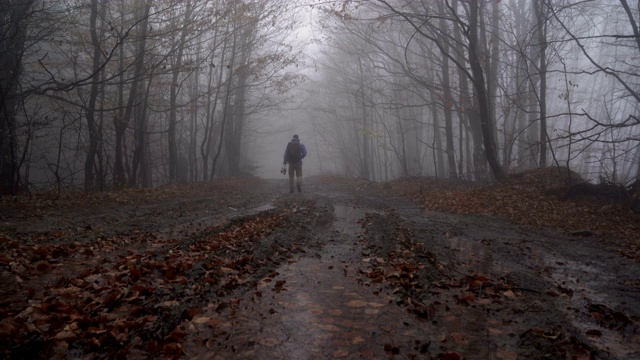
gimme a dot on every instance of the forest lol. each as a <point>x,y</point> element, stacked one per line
<point>471,186</point>
<point>110,94</point>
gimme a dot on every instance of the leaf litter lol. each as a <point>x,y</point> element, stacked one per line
<point>117,287</point>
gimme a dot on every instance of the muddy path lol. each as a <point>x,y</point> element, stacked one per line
<point>390,280</point>
<point>334,272</point>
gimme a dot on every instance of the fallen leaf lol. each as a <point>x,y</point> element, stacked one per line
<point>172,348</point>
<point>328,327</point>
<point>340,353</point>
<point>506,355</point>
<point>375,304</point>
<point>65,335</point>
<point>459,338</point>
<point>169,303</point>
<point>357,303</point>
<point>200,320</point>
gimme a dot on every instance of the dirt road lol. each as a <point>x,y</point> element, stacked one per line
<point>334,272</point>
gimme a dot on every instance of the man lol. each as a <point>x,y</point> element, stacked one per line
<point>293,155</point>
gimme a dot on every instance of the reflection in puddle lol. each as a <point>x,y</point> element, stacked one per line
<point>475,256</point>
<point>314,308</point>
<point>576,284</point>
<point>322,312</point>
<point>588,285</point>
<point>262,208</point>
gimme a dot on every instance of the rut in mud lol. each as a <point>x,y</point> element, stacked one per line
<point>335,272</point>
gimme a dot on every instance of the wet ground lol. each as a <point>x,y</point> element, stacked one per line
<point>348,273</point>
<point>387,280</point>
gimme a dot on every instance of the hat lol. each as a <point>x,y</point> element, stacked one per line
<point>295,136</point>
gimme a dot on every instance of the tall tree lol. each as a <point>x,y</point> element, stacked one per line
<point>541,18</point>
<point>447,100</point>
<point>14,18</point>
<point>135,92</point>
<point>175,73</point>
<point>478,80</point>
<point>98,8</point>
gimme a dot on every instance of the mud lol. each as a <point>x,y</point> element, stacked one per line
<point>354,274</point>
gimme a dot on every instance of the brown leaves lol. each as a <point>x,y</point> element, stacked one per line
<point>525,199</point>
<point>279,286</point>
<point>101,294</point>
<point>608,317</point>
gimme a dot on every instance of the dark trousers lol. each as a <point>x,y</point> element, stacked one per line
<point>298,173</point>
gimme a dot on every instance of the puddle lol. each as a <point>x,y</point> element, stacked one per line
<point>589,285</point>
<point>476,257</point>
<point>262,208</point>
<point>580,277</point>
<point>315,309</point>
<point>577,285</point>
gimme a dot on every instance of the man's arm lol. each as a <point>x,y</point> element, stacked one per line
<point>303,150</point>
<point>285,160</point>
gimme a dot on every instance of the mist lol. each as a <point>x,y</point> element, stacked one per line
<point>111,94</point>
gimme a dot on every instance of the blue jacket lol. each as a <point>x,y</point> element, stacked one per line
<point>303,149</point>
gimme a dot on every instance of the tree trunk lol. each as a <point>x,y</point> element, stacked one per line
<point>493,53</point>
<point>89,163</point>
<point>225,108</point>
<point>481,93</point>
<point>143,150</point>
<point>12,45</point>
<point>100,167</point>
<point>437,139</point>
<point>365,172</point>
<point>193,125</point>
<point>119,123</point>
<point>176,69</point>
<point>447,102</point>
<point>533,132</point>
<point>235,128</point>
<point>469,106</point>
<point>134,93</point>
<point>542,43</point>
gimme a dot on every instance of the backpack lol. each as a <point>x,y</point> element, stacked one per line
<point>294,154</point>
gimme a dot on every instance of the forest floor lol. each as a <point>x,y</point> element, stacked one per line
<point>413,269</point>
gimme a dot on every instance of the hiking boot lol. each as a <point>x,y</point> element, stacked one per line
<point>299,188</point>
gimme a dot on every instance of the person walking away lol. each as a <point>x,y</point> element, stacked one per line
<point>293,155</point>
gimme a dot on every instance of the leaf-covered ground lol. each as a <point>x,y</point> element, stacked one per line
<point>347,269</point>
<point>534,198</point>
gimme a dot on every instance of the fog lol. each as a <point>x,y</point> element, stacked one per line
<point>108,94</point>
